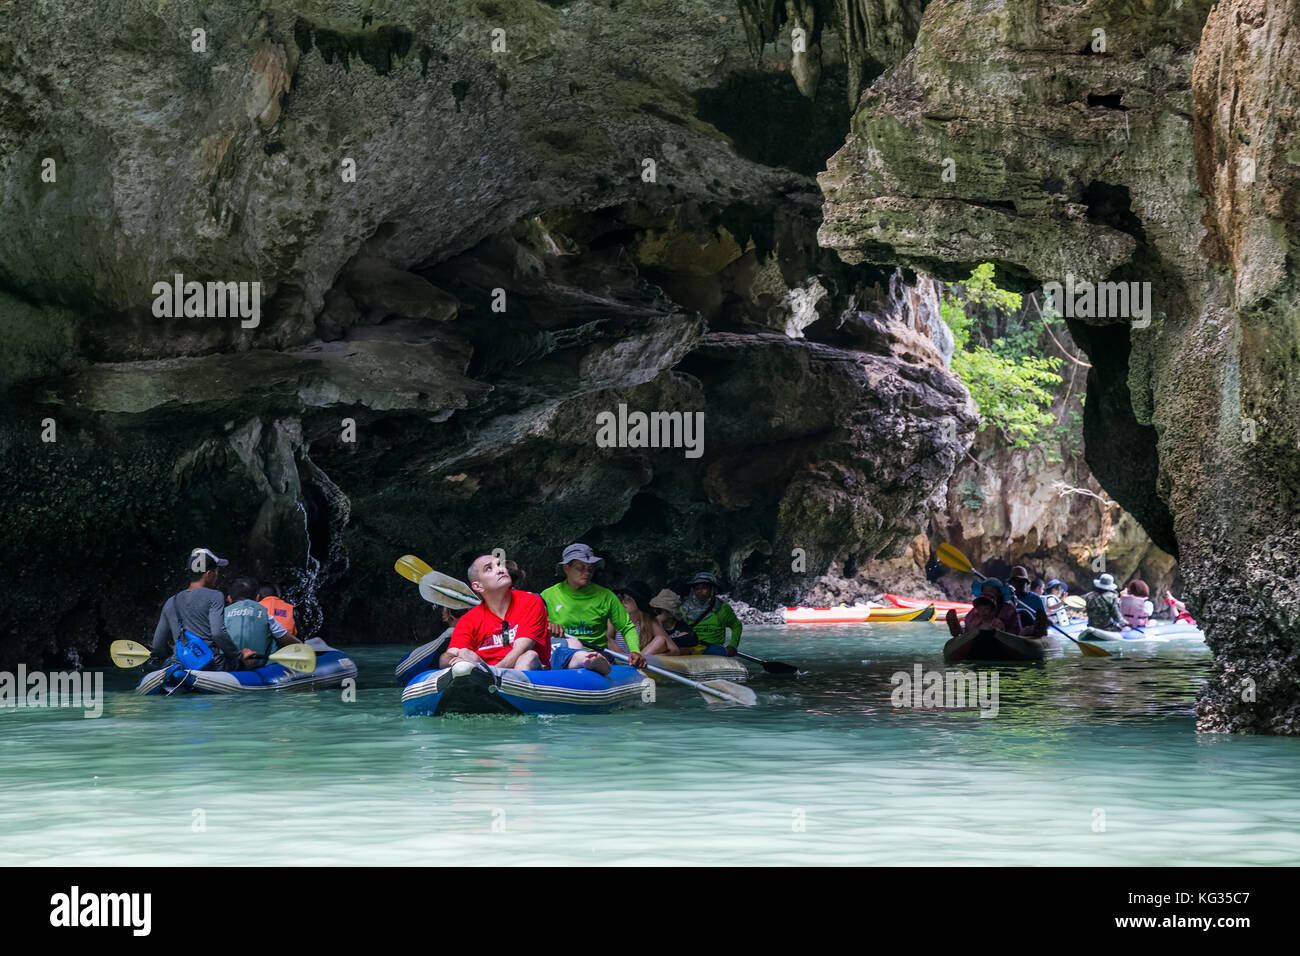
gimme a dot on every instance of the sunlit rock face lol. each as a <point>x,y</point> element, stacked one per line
<point>465,255</point>
<point>1164,150</point>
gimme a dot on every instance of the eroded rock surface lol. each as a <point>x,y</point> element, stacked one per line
<point>463,257</point>
<point>1170,155</point>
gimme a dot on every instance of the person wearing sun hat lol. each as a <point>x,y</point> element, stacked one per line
<point>1104,618</point>
<point>199,609</point>
<point>579,608</point>
<point>635,596</point>
<point>711,618</point>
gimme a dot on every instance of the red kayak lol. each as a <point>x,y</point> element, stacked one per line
<point>940,607</point>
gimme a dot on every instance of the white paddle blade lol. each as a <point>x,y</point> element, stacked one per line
<point>450,585</point>
<point>445,597</point>
<point>738,693</point>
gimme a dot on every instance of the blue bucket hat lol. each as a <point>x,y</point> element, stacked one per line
<point>977,587</point>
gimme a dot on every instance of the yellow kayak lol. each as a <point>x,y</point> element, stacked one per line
<point>902,614</point>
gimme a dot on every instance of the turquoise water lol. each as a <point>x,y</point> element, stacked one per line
<point>1088,762</point>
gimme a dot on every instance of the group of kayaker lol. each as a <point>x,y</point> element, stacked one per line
<point>1017,607</point>
<point>574,621</point>
<point>242,627</point>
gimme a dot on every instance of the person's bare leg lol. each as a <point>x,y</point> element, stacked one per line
<point>592,661</point>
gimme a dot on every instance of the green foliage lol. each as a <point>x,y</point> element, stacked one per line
<point>998,357</point>
<point>972,496</point>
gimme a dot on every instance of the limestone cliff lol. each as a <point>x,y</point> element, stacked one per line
<point>1135,141</point>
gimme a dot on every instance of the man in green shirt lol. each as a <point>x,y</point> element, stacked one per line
<point>577,607</point>
<point>711,618</point>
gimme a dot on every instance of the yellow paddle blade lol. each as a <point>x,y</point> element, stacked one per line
<point>739,692</point>
<point>411,568</point>
<point>296,657</point>
<point>1092,650</point>
<point>128,653</point>
<point>1076,602</point>
<point>953,558</point>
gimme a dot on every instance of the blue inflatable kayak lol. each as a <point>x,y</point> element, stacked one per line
<point>466,688</point>
<point>423,658</point>
<point>332,668</point>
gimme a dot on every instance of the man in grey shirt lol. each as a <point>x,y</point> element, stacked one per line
<point>199,609</point>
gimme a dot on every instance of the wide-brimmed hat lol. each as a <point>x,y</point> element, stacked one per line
<point>579,552</point>
<point>977,587</point>
<point>667,600</point>
<point>640,592</point>
<point>1019,573</point>
<point>1105,583</point>
<point>704,577</point>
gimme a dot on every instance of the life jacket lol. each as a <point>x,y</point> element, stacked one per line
<point>1134,610</point>
<point>282,611</point>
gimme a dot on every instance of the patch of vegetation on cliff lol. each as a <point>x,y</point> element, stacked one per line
<point>998,357</point>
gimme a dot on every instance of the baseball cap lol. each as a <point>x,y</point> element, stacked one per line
<point>201,559</point>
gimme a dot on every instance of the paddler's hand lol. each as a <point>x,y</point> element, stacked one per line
<point>553,629</point>
<point>731,650</point>
<point>248,654</point>
<point>636,660</point>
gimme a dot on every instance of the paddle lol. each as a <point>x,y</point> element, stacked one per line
<point>772,667</point>
<point>722,689</point>
<point>436,587</point>
<point>955,559</point>
<point>411,568</point>
<point>1075,602</point>
<point>296,657</point>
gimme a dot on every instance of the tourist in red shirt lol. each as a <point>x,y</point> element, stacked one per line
<point>508,629</point>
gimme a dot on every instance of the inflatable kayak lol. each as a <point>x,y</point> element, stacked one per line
<point>997,646</point>
<point>332,668</point>
<point>700,667</point>
<point>858,614</point>
<point>466,688</point>
<point>1155,631</point>
<point>423,658</point>
<point>940,607</point>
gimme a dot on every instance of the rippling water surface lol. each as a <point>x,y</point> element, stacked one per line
<point>1087,762</point>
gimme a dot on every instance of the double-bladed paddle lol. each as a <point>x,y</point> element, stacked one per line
<point>436,587</point>
<point>958,561</point>
<point>296,657</point>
